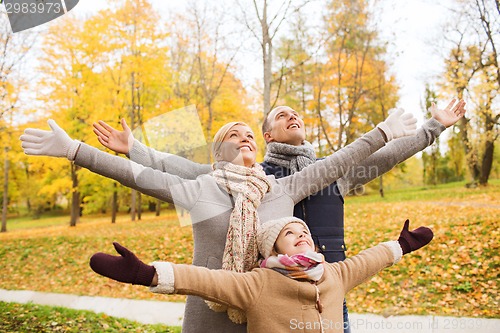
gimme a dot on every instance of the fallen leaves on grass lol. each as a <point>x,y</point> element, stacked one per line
<point>456,274</point>
<point>57,260</point>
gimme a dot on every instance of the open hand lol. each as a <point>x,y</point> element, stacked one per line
<point>109,137</point>
<point>451,114</point>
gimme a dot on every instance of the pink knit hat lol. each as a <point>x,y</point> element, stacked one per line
<point>268,233</point>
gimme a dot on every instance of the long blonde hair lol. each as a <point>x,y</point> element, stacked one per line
<point>221,133</point>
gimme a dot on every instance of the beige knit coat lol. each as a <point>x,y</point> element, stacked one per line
<point>276,303</point>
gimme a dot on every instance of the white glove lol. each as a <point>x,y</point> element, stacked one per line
<point>398,124</point>
<point>55,143</point>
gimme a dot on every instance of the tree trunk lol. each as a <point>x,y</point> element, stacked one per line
<point>318,139</point>
<point>209,126</point>
<point>487,162</point>
<point>321,122</point>
<point>489,144</point>
<point>114,203</point>
<point>75,197</point>
<point>434,162</point>
<point>28,202</point>
<point>5,191</point>
<point>267,59</point>
<point>424,173</point>
<point>470,153</point>
<point>381,186</point>
<point>133,204</point>
<point>133,195</point>
<point>139,205</point>
<point>158,207</point>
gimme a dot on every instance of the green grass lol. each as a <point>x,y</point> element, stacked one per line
<point>427,193</point>
<point>28,222</point>
<point>456,274</point>
<point>61,218</point>
<point>15,317</point>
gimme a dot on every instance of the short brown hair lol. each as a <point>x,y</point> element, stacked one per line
<point>266,124</point>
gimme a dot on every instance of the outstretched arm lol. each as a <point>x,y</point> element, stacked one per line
<point>359,268</point>
<point>234,289</point>
<point>152,182</point>
<point>124,142</point>
<point>126,267</point>
<point>324,172</point>
<point>401,149</point>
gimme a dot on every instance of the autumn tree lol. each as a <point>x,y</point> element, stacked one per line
<point>264,20</point>
<point>133,42</point>
<point>213,57</point>
<point>203,54</point>
<point>69,80</point>
<point>122,62</point>
<point>336,75</point>
<point>301,77</point>
<point>14,49</point>
<point>472,72</point>
<point>106,67</point>
<point>432,157</point>
<point>361,90</point>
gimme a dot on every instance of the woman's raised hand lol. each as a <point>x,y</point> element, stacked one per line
<point>109,137</point>
<point>56,142</point>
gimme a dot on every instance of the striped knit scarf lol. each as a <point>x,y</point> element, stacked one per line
<point>306,266</point>
<point>248,186</point>
<point>294,158</point>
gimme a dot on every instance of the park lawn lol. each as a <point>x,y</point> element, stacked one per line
<point>457,274</point>
<point>15,317</point>
<point>55,258</point>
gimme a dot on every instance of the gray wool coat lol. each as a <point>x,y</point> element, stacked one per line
<point>210,206</point>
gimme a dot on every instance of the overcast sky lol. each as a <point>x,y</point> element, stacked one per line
<point>416,27</point>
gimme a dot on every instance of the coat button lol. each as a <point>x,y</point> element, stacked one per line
<point>323,247</point>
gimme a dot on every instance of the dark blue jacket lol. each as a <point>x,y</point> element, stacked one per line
<point>324,214</point>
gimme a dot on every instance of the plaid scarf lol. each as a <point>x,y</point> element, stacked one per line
<point>294,158</point>
<point>248,186</point>
<point>306,266</point>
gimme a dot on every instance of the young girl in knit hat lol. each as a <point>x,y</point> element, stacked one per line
<point>294,289</point>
